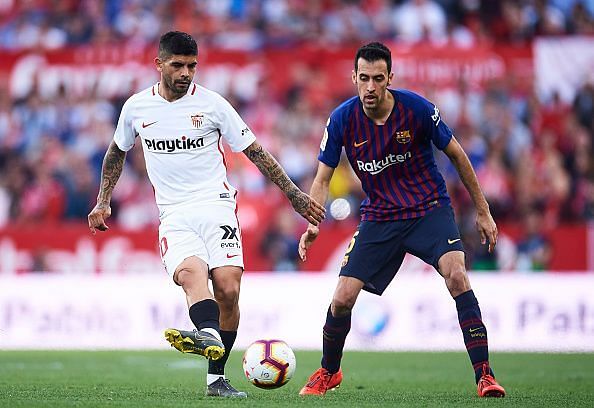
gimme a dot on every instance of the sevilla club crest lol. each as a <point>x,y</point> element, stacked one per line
<point>197,120</point>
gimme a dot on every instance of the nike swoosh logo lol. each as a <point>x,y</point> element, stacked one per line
<point>474,329</point>
<point>145,125</point>
<point>359,144</point>
<point>232,256</point>
<point>451,241</point>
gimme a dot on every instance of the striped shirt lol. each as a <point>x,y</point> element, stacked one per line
<point>394,161</point>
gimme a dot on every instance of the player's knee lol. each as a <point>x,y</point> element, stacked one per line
<point>457,279</point>
<point>227,295</point>
<point>342,305</point>
<point>184,277</point>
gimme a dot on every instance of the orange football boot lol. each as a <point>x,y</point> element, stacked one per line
<point>488,386</point>
<point>321,381</point>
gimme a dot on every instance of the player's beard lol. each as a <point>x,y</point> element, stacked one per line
<point>182,87</point>
<point>176,87</point>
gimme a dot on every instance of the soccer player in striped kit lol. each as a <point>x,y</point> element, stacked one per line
<point>388,135</point>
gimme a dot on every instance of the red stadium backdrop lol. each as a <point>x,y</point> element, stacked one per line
<point>120,70</point>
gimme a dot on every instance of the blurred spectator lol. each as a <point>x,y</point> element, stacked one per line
<point>533,249</point>
<point>347,22</point>
<point>581,19</point>
<point>420,20</point>
<point>281,240</point>
<point>40,262</point>
<point>583,104</point>
<point>80,188</point>
<point>544,18</point>
<point>496,185</point>
<point>506,21</point>
<point>43,199</point>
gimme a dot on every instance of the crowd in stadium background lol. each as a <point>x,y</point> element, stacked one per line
<point>534,156</point>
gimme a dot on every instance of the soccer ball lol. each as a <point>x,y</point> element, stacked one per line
<point>340,209</point>
<point>269,363</point>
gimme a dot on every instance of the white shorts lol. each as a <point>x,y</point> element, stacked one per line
<point>210,232</point>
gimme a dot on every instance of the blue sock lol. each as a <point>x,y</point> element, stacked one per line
<point>335,333</point>
<point>474,332</point>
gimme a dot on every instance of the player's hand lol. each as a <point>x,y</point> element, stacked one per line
<point>309,208</point>
<point>487,228</point>
<point>307,239</point>
<point>97,217</point>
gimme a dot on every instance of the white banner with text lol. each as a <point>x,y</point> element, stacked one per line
<point>540,312</point>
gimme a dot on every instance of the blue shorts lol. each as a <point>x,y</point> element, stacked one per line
<point>377,249</point>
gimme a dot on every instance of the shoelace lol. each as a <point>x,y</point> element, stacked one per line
<point>227,384</point>
<point>486,379</point>
<point>321,379</point>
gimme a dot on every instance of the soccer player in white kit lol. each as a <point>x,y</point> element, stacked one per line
<point>181,127</point>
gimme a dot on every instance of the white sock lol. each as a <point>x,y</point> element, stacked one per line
<point>213,332</point>
<point>210,378</point>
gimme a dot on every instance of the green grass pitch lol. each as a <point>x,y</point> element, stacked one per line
<point>171,379</point>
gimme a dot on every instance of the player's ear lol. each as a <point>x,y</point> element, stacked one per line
<point>390,78</point>
<point>158,64</point>
<point>354,77</point>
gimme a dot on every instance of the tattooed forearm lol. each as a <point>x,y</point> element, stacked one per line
<point>270,168</point>
<point>268,165</point>
<point>113,163</point>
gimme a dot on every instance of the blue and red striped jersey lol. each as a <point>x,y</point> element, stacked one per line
<point>394,161</point>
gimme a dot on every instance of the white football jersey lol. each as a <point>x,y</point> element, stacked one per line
<point>182,143</point>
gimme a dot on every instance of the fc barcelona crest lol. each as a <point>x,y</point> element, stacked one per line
<point>403,136</point>
<point>197,120</point>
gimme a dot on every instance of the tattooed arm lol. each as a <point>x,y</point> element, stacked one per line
<point>113,163</point>
<point>309,209</point>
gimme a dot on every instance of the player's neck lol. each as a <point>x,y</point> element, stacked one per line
<point>167,94</point>
<point>380,115</point>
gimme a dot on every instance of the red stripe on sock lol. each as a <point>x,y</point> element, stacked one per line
<point>478,365</point>
<point>470,322</point>
<point>476,343</point>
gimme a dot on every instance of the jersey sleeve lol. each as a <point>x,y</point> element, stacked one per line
<point>331,145</point>
<point>439,133</point>
<point>233,129</point>
<point>125,134</point>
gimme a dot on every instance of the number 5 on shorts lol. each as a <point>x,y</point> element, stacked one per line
<point>345,260</point>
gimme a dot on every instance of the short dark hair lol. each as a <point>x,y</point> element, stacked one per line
<point>177,43</point>
<point>374,51</point>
